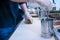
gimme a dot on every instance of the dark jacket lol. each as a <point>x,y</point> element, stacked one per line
<point>10,15</point>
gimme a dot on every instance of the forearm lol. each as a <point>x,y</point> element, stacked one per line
<point>24,0</point>
<point>36,1</point>
<point>24,8</point>
<point>21,0</point>
<point>42,3</point>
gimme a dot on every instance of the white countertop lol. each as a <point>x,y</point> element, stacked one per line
<point>29,31</point>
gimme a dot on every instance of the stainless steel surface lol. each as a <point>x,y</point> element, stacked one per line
<point>46,27</point>
<point>57,33</point>
<point>46,24</point>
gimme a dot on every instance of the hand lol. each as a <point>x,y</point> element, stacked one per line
<point>49,5</point>
<point>45,3</point>
<point>48,8</point>
<point>28,18</point>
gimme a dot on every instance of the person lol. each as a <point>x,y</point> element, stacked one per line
<point>28,17</point>
<point>9,19</point>
<point>8,16</point>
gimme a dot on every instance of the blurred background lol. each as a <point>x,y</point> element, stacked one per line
<point>33,31</point>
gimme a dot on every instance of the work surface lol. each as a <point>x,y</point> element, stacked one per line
<point>29,31</point>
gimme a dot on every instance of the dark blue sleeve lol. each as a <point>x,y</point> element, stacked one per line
<point>10,15</point>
